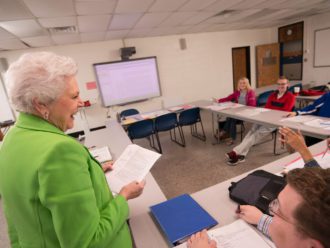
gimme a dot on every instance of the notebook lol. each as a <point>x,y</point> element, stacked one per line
<point>180,217</point>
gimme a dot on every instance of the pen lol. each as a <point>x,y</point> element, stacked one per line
<point>325,152</point>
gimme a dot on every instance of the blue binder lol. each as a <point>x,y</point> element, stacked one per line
<point>181,217</point>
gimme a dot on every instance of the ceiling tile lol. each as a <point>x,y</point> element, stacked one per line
<point>93,23</point>
<point>124,21</point>
<point>66,39</point>
<point>176,19</point>
<point>13,10</point>
<point>221,5</point>
<point>168,31</point>
<point>150,20</point>
<point>199,28</point>
<point>92,37</point>
<point>50,8</point>
<point>194,5</point>
<point>199,17</point>
<point>247,4</point>
<point>58,21</point>
<point>95,7</point>
<point>116,34</point>
<point>166,5</point>
<point>143,32</point>
<point>133,6</point>
<point>12,44</point>
<point>23,28</point>
<point>4,34</point>
<point>39,41</point>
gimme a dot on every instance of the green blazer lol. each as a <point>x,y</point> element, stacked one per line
<point>54,193</point>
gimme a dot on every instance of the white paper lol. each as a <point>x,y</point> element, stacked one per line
<point>252,112</point>
<point>324,162</point>
<point>318,123</point>
<point>154,114</point>
<point>101,154</point>
<point>224,105</point>
<point>299,118</point>
<point>132,165</point>
<point>237,235</point>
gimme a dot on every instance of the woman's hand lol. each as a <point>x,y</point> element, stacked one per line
<point>132,190</point>
<point>291,114</point>
<point>250,214</point>
<point>201,240</point>
<point>106,166</point>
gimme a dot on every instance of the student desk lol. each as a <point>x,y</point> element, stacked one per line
<point>215,200</point>
<point>270,118</point>
<point>117,140</point>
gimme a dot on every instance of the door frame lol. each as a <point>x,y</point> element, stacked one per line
<point>247,62</point>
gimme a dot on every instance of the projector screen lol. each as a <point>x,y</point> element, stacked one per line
<point>126,81</point>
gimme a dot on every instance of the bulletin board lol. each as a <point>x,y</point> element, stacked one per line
<point>321,47</point>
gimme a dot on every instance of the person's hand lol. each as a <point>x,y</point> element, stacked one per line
<point>106,166</point>
<point>132,190</point>
<point>250,214</point>
<point>201,240</point>
<point>291,114</point>
<point>294,139</point>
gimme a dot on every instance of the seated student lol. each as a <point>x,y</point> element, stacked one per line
<point>296,142</point>
<point>281,99</point>
<point>301,213</point>
<point>243,95</point>
<point>320,107</point>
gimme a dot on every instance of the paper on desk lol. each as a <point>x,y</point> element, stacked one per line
<point>101,154</point>
<point>318,123</point>
<point>154,114</point>
<point>224,105</point>
<point>299,118</point>
<point>132,165</point>
<point>252,112</point>
<point>324,162</point>
<point>128,120</point>
<point>236,235</point>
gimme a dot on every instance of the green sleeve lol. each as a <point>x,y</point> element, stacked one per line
<point>12,233</point>
<point>66,189</point>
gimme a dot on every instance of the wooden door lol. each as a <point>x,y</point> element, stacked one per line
<point>268,64</point>
<point>241,63</point>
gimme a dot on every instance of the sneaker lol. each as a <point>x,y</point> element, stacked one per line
<point>231,155</point>
<point>238,159</point>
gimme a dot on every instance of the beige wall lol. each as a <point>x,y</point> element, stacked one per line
<point>201,71</point>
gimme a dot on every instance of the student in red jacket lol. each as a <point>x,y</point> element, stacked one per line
<point>282,99</point>
<point>243,95</point>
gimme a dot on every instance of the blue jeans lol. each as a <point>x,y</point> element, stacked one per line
<point>230,127</point>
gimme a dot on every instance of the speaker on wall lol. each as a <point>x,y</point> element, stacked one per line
<point>3,64</point>
<point>183,44</point>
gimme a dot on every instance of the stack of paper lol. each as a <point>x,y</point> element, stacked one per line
<point>252,112</point>
<point>101,154</point>
<point>237,235</point>
<point>299,118</point>
<point>322,159</point>
<point>132,165</point>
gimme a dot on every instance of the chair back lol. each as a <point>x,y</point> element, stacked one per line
<point>263,97</point>
<point>166,122</point>
<point>128,112</point>
<point>189,116</point>
<point>141,129</point>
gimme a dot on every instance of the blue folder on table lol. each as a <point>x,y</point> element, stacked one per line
<point>181,217</point>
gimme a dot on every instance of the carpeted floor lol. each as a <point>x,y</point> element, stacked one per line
<point>194,167</point>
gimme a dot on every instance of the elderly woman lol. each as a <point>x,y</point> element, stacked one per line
<point>54,193</point>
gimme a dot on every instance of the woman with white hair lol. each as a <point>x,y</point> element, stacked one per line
<point>54,193</point>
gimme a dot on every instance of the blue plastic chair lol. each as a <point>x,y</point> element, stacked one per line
<point>190,117</point>
<point>144,129</point>
<point>263,97</point>
<point>169,122</point>
<point>128,112</point>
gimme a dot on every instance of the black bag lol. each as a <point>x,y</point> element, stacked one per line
<point>258,189</point>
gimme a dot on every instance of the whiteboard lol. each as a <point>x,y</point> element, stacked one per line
<point>5,111</point>
<point>322,47</point>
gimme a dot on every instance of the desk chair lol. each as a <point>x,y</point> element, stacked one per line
<point>262,98</point>
<point>190,117</point>
<point>128,112</point>
<point>144,129</point>
<point>169,122</point>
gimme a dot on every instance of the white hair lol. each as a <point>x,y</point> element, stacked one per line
<point>41,75</point>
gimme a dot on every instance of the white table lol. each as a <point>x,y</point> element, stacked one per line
<point>215,200</point>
